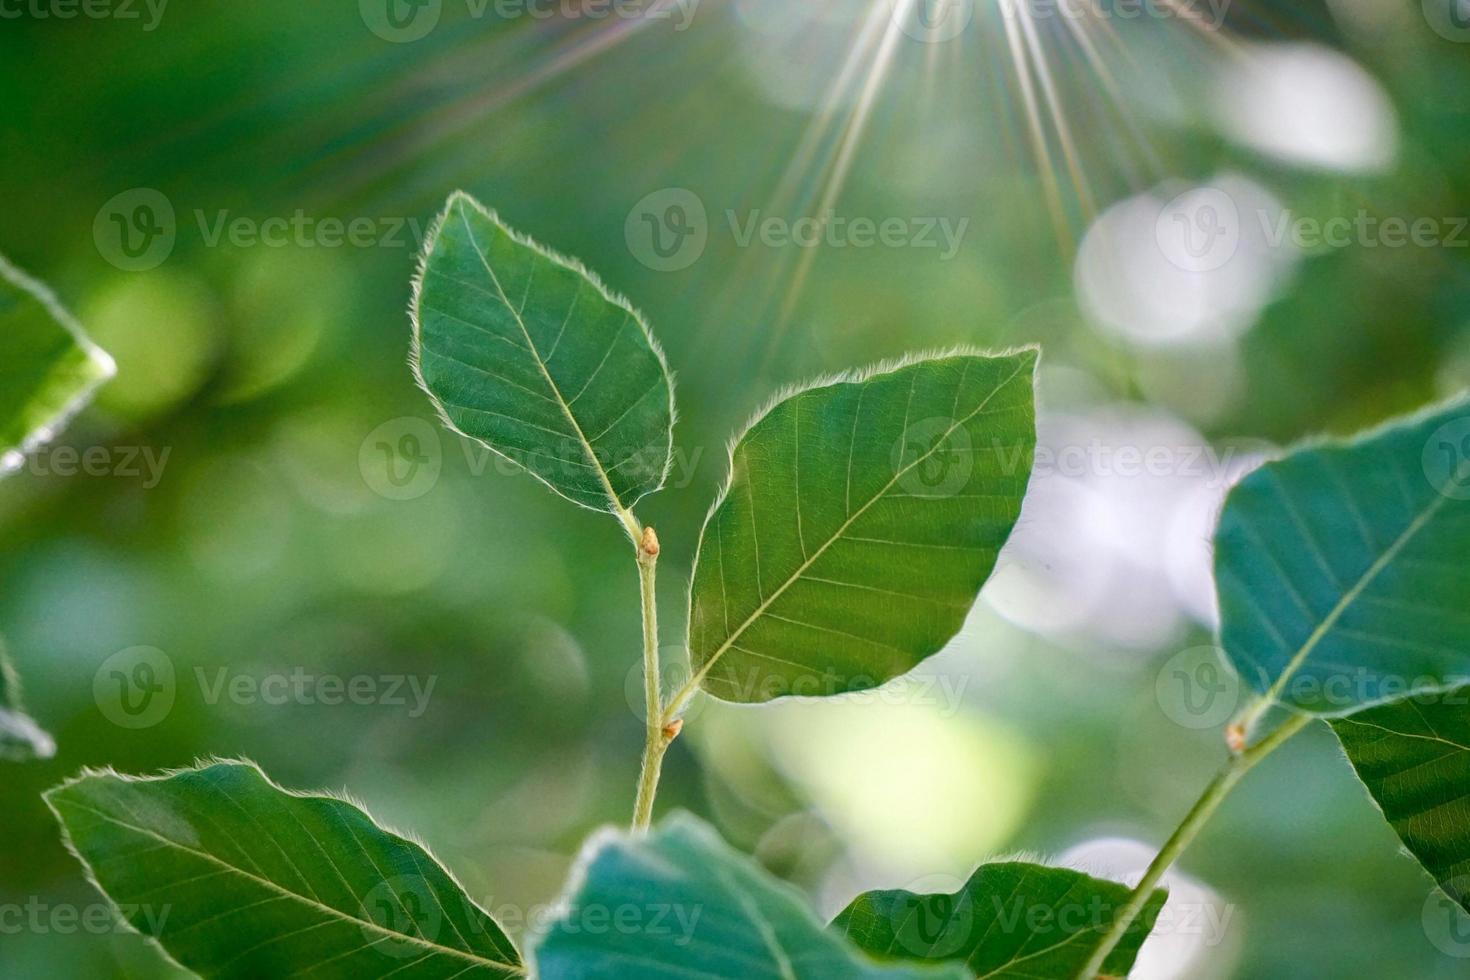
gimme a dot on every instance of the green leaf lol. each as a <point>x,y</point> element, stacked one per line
<point>1011,921</point>
<point>238,878</point>
<point>861,517</point>
<point>1341,569</point>
<point>48,368</point>
<point>528,353</point>
<point>680,904</point>
<point>1414,757</point>
<point>21,739</point>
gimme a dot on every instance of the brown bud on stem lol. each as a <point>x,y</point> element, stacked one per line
<point>649,544</point>
<point>672,729</point>
<point>1235,738</point>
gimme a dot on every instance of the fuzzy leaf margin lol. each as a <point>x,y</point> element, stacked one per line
<point>236,878</point>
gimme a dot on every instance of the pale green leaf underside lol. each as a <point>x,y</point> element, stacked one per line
<point>1414,757</point>
<point>1011,921</point>
<point>860,521</point>
<point>47,367</point>
<point>237,878</point>
<point>1342,571</point>
<point>21,739</point>
<point>529,354</point>
<point>694,909</point>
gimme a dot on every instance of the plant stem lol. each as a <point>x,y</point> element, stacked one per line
<point>1185,834</point>
<point>657,737</point>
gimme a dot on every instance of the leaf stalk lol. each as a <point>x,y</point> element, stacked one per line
<point>658,736</point>
<point>1185,834</point>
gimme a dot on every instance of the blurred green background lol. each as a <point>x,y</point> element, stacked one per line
<point>243,521</point>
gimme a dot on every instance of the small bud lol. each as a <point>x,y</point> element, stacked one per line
<point>649,544</point>
<point>1235,738</point>
<point>672,729</point>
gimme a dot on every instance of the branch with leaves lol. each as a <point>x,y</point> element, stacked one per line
<point>860,519</point>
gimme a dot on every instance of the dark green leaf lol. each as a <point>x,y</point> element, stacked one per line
<point>238,878</point>
<point>860,520</point>
<point>1011,921</point>
<point>529,353</point>
<point>1342,569</point>
<point>1414,757</point>
<point>679,904</point>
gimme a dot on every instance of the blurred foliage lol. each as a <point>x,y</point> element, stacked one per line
<point>263,373</point>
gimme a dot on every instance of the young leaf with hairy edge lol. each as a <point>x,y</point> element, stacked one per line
<point>1341,568</point>
<point>860,519</point>
<point>1414,757</point>
<point>48,368</point>
<point>21,739</point>
<point>528,353</point>
<point>237,878</point>
<point>1010,921</point>
<point>680,904</point>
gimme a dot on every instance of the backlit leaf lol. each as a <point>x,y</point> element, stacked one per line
<point>1010,921</point>
<point>861,518</point>
<point>679,904</point>
<point>528,353</point>
<point>238,878</point>
<point>1342,570</point>
<point>1414,757</point>
<point>48,368</point>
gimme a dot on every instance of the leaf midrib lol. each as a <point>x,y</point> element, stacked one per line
<point>765,604</point>
<point>287,893</point>
<point>1340,608</point>
<point>541,364</point>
